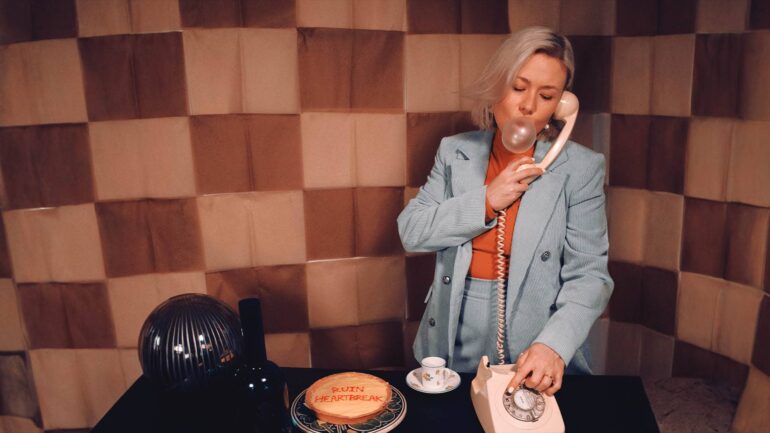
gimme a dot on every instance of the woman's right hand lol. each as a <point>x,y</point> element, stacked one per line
<point>510,184</point>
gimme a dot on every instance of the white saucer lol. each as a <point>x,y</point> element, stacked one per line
<point>413,380</point>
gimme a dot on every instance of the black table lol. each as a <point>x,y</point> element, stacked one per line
<point>587,403</point>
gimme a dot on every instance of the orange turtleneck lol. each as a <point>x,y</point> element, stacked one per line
<point>485,245</point>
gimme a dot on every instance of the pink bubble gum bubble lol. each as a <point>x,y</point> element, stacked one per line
<point>519,135</point>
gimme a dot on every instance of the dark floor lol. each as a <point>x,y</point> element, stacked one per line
<point>685,405</point>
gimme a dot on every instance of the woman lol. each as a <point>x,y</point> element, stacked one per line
<point>555,235</point>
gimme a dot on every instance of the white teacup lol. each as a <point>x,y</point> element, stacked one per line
<point>433,373</point>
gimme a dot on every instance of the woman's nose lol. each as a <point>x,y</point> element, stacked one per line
<point>527,104</point>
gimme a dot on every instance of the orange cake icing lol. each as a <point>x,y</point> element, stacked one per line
<point>348,398</point>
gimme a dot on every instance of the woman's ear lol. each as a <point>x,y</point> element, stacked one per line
<point>492,120</point>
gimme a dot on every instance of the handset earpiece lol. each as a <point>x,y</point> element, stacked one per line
<point>567,110</point>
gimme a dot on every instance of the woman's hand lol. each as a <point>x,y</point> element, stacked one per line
<point>540,368</point>
<point>510,184</point>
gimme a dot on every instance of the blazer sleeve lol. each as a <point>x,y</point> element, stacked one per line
<point>435,219</point>
<point>586,283</point>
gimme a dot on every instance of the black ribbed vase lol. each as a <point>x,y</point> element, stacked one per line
<point>190,341</point>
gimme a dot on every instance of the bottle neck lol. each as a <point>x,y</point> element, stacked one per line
<point>254,353</point>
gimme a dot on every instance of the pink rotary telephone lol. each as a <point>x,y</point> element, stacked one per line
<point>525,410</point>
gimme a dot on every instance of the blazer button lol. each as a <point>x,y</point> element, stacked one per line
<point>446,279</point>
<point>545,256</point>
<point>432,322</point>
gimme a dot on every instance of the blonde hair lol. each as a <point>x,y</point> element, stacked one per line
<point>502,68</point>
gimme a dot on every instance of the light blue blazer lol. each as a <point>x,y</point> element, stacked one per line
<point>558,283</point>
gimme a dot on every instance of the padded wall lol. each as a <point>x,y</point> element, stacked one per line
<point>264,148</point>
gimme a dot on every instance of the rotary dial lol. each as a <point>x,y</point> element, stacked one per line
<point>524,404</point>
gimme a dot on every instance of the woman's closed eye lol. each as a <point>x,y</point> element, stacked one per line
<point>521,89</point>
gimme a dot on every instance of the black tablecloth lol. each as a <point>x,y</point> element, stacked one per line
<point>616,404</point>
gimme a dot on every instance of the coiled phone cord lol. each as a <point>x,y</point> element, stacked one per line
<point>501,274</point>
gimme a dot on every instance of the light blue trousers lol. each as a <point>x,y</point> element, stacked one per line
<point>477,329</point>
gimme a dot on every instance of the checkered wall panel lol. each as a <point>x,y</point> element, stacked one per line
<point>265,147</point>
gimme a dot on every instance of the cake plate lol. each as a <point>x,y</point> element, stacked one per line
<point>386,421</point>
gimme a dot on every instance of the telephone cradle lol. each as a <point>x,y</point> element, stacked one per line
<point>524,411</point>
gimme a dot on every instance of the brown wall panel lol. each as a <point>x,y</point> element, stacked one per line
<point>281,289</point>
<point>716,75</point>
<point>419,277</point>
<point>703,237</point>
<point>626,301</point>
<point>210,13</point>
<point>484,16</point>
<point>759,14</point>
<point>636,17</point>
<point>329,223</point>
<point>659,295</point>
<point>109,83</point>
<point>676,16</point>
<point>761,355</point>
<point>376,210</point>
<point>15,21</point>
<point>54,19</point>
<point>67,315</point>
<point>433,16</point>
<point>665,161</point>
<point>46,165</point>
<point>161,88</point>
<point>325,62</point>
<point>629,144</point>
<point>150,236</point>
<point>593,66</point>
<point>269,13</point>
<point>377,81</point>
<point>357,347</point>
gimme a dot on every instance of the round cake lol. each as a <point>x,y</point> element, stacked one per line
<point>348,398</point>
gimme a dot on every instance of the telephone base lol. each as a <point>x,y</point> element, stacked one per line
<point>487,390</point>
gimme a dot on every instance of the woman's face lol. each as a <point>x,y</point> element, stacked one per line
<point>534,92</point>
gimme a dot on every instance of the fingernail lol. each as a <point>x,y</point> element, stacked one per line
<point>509,391</point>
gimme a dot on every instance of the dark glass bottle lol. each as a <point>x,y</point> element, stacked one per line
<point>261,383</point>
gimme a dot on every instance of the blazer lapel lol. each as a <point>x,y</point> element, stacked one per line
<point>537,205</point>
<point>469,169</point>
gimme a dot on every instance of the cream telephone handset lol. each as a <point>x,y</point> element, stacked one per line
<point>525,410</point>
